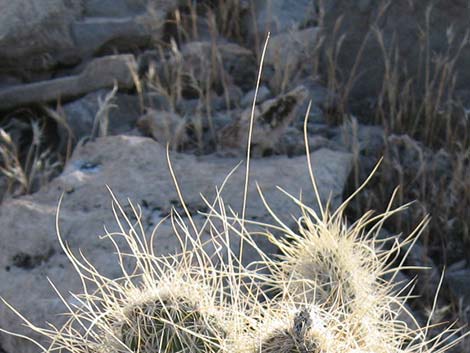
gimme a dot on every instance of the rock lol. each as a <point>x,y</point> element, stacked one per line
<point>7,81</point>
<point>81,113</point>
<point>98,34</point>
<point>368,140</point>
<point>35,38</point>
<point>135,168</point>
<point>403,25</point>
<point>36,35</point>
<point>215,103</point>
<point>196,58</point>
<point>459,284</point>
<point>290,50</point>
<point>429,278</point>
<point>272,118</point>
<point>113,8</point>
<point>280,16</point>
<point>321,99</point>
<point>263,94</point>
<point>100,73</point>
<point>165,127</point>
<point>292,143</point>
<point>240,63</point>
<point>121,25</point>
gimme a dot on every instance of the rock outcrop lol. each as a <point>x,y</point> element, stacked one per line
<point>38,36</point>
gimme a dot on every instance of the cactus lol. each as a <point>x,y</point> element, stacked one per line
<point>169,324</point>
<point>292,330</point>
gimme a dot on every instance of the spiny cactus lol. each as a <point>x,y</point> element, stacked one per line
<point>287,329</point>
<point>165,323</point>
<point>340,269</point>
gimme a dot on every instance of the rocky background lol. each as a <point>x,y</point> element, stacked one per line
<point>92,91</point>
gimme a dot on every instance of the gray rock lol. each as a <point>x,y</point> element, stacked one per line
<point>403,23</point>
<point>34,34</point>
<point>292,48</point>
<point>428,279</point>
<point>365,139</point>
<point>37,37</point>
<point>459,284</point>
<point>93,34</point>
<point>263,94</point>
<point>290,57</point>
<point>133,167</point>
<point>100,73</point>
<point>165,127</point>
<point>321,99</point>
<point>113,8</point>
<point>80,114</point>
<point>129,25</point>
<point>7,80</point>
<point>271,119</point>
<point>280,16</point>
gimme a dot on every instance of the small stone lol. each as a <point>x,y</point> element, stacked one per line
<point>263,94</point>
<point>165,127</point>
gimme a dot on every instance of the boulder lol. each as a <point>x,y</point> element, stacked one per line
<point>403,26</point>
<point>36,37</point>
<point>80,115</point>
<point>95,35</point>
<point>100,73</point>
<point>135,168</point>
<point>36,34</point>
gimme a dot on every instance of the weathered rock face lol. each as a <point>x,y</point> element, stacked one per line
<point>133,167</point>
<point>31,30</point>
<point>402,24</point>
<point>36,36</point>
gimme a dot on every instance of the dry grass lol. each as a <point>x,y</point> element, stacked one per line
<point>426,135</point>
<point>26,165</point>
